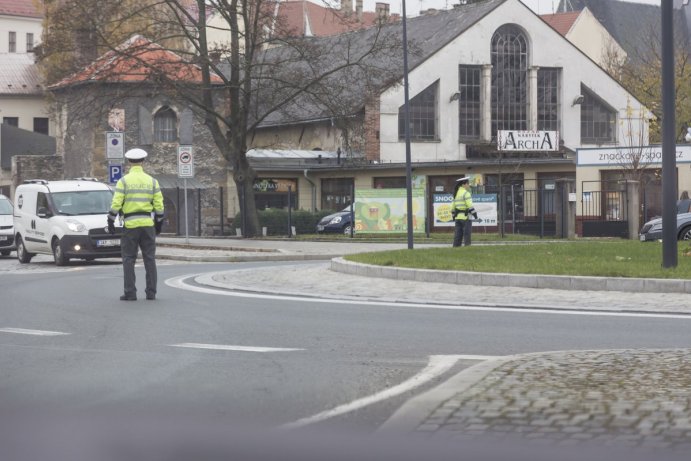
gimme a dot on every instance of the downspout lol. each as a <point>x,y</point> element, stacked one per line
<point>314,191</point>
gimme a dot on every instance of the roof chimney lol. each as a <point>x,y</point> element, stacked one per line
<point>358,9</point>
<point>347,7</point>
<point>382,10</point>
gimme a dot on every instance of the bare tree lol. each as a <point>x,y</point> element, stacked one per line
<point>257,72</point>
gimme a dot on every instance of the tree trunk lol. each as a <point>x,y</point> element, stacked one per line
<point>244,181</point>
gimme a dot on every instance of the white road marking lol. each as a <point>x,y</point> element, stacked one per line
<point>437,365</point>
<point>224,347</point>
<point>178,282</point>
<point>23,331</point>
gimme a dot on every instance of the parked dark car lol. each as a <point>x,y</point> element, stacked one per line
<point>652,230</point>
<point>336,223</point>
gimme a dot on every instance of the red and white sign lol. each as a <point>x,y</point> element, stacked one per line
<point>185,162</point>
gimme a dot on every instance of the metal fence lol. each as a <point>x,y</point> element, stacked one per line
<point>604,209</point>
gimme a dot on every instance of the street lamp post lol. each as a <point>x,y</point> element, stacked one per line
<point>669,190</point>
<point>408,166</point>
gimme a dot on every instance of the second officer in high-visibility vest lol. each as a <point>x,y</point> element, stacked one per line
<point>139,200</point>
<point>461,211</point>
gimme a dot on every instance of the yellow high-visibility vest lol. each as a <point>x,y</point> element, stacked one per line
<point>137,195</point>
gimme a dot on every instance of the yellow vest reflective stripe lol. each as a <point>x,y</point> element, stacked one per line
<point>137,196</point>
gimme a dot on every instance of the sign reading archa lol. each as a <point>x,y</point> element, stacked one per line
<point>528,141</point>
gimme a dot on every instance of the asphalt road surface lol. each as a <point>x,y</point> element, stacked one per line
<point>67,343</point>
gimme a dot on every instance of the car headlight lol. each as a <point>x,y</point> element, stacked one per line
<point>335,220</point>
<point>656,227</point>
<point>75,226</point>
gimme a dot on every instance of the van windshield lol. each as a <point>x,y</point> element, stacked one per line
<point>82,202</point>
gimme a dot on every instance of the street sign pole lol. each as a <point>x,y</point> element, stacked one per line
<point>186,170</point>
<point>187,234</point>
<point>669,174</point>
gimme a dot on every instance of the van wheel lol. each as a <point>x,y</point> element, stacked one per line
<point>23,256</point>
<point>58,255</point>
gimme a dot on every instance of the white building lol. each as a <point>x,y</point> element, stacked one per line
<point>20,26</point>
<point>479,68</point>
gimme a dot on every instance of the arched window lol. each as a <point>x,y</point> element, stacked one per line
<point>165,125</point>
<point>509,79</point>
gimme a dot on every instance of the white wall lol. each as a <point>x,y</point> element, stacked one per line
<point>26,108</point>
<point>592,38</point>
<point>547,49</point>
<point>21,26</point>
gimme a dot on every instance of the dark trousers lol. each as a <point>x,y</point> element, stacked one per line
<point>143,238</point>
<point>463,229</point>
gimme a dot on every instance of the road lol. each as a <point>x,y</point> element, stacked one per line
<point>68,343</point>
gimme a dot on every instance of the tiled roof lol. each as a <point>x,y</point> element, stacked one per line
<point>295,16</point>
<point>23,8</point>
<point>19,75</point>
<point>429,32</point>
<point>561,22</point>
<point>137,60</point>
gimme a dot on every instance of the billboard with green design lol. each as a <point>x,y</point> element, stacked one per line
<point>385,210</point>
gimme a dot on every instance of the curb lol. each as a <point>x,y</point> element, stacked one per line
<point>239,259</point>
<point>557,282</point>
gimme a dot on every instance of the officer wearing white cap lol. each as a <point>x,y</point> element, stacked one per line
<point>137,196</point>
<point>461,210</point>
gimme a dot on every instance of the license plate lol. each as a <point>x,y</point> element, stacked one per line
<point>3,238</point>
<point>642,238</point>
<point>108,243</point>
<point>320,228</point>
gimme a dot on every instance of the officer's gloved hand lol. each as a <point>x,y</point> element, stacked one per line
<point>454,214</point>
<point>158,225</point>
<point>111,226</point>
<point>474,215</point>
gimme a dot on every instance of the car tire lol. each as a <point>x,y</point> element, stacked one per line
<point>58,255</point>
<point>23,256</point>
<point>685,233</point>
<point>347,229</point>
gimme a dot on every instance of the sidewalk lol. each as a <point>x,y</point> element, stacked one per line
<point>636,398</point>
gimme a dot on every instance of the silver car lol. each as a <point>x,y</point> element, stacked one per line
<point>652,230</point>
<point>6,226</point>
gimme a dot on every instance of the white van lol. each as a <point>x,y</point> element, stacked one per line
<point>67,219</point>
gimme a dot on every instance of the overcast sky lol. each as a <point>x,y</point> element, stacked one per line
<point>413,7</point>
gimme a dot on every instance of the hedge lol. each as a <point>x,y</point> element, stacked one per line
<point>276,220</point>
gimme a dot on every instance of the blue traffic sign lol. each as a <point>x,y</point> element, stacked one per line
<point>114,172</point>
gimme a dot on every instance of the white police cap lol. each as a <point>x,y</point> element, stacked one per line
<point>464,178</point>
<point>135,154</point>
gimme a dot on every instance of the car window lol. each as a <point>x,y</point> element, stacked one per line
<point>5,206</point>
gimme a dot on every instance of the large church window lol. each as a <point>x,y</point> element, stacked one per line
<point>509,55</point>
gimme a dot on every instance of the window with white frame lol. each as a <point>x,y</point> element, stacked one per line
<point>29,42</point>
<point>165,125</point>
<point>598,120</point>
<point>509,54</point>
<point>423,115</point>
<point>469,111</point>
<point>548,103</point>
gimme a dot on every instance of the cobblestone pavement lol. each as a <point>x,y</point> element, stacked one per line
<point>630,398</point>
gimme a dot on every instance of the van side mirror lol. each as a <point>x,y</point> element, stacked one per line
<point>43,213</point>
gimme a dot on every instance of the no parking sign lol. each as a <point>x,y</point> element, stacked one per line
<point>185,162</point>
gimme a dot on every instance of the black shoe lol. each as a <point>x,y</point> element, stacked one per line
<point>128,298</point>
<point>150,297</point>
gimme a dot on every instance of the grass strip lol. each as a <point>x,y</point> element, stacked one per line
<point>619,258</point>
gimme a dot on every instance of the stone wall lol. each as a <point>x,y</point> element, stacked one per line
<point>49,167</point>
<point>83,144</point>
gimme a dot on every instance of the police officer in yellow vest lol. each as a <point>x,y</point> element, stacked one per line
<point>137,196</point>
<point>461,211</point>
